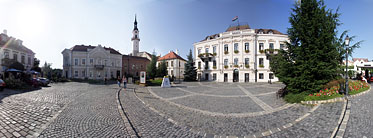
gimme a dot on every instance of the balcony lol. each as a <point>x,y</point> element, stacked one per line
<point>271,51</point>
<point>206,56</point>
<point>100,67</point>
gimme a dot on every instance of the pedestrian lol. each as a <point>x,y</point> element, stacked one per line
<point>118,81</point>
<point>124,82</point>
<point>105,80</point>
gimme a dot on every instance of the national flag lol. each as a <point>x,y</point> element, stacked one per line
<point>235,18</point>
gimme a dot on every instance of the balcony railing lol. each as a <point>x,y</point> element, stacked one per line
<point>206,56</point>
<point>99,66</point>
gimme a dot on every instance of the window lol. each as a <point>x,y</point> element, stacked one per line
<point>226,48</point>
<point>214,49</point>
<point>261,46</point>
<point>246,46</point>
<point>29,60</point>
<point>106,74</point>
<point>166,64</point>
<point>270,32</point>
<point>261,32</point>
<point>91,61</point>
<point>235,46</point>
<point>261,62</point>
<point>76,74</point>
<point>270,75</point>
<point>214,63</point>
<point>282,46</point>
<point>199,65</point>
<point>261,76</point>
<point>83,61</point>
<point>15,56</point>
<point>271,46</point>
<point>214,76</point>
<point>111,74</point>
<point>76,62</point>
<point>112,63</point>
<point>236,61</point>
<point>90,74</point>
<point>172,63</point>
<point>206,65</point>
<point>225,62</point>
<point>6,54</point>
<point>105,62</point>
<point>199,51</point>
<point>83,73</point>
<point>207,50</point>
<point>247,60</point>
<point>23,59</point>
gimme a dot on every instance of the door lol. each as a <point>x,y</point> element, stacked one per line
<point>225,77</point>
<point>118,73</point>
<point>246,77</point>
<point>235,75</point>
<point>67,74</point>
<point>207,76</point>
<point>199,77</point>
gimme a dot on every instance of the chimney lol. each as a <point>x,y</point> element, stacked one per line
<point>5,32</point>
<point>177,51</point>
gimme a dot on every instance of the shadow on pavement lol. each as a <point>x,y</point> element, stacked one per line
<point>8,92</point>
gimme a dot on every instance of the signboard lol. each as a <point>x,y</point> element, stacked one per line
<point>142,77</point>
<point>166,82</point>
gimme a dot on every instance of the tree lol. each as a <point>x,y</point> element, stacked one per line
<point>151,69</point>
<point>190,73</point>
<point>47,70</point>
<point>36,65</point>
<point>341,47</point>
<point>16,65</point>
<point>311,59</point>
<point>162,70</point>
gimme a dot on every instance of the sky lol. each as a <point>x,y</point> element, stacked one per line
<point>49,26</point>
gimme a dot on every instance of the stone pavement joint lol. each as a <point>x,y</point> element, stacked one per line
<point>263,105</point>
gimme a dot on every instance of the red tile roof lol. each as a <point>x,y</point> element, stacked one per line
<point>363,59</point>
<point>171,55</point>
<point>85,49</point>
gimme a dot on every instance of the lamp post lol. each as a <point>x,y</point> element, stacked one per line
<point>347,42</point>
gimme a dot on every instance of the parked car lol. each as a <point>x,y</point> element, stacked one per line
<point>2,85</point>
<point>43,81</point>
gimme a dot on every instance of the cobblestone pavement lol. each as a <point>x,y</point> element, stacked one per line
<point>149,123</point>
<point>360,123</point>
<point>62,110</point>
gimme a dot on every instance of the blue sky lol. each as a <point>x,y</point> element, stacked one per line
<point>49,26</point>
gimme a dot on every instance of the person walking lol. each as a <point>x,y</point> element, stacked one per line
<point>118,81</point>
<point>124,82</point>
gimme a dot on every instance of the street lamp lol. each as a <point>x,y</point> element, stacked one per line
<point>347,42</point>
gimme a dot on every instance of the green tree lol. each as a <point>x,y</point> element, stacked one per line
<point>36,65</point>
<point>151,69</point>
<point>47,70</point>
<point>190,73</point>
<point>162,69</point>
<point>16,65</point>
<point>311,59</point>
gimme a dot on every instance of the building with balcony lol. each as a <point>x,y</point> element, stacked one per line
<point>240,54</point>
<point>12,50</point>
<point>175,64</point>
<point>92,62</point>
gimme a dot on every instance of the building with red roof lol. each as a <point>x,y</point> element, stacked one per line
<point>175,64</point>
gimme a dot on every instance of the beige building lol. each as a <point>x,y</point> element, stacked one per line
<point>13,49</point>
<point>175,64</point>
<point>91,62</point>
<point>240,54</point>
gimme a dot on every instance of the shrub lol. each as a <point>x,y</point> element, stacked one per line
<point>15,84</point>
<point>334,83</point>
<point>155,82</point>
<point>295,98</point>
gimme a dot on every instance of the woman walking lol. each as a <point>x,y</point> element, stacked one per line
<point>118,81</point>
<point>124,82</point>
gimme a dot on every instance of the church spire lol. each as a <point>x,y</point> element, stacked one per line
<point>135,24</point>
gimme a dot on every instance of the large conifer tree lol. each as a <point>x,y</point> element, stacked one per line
<point>311,59</point>
<point>190,73</point>
<point>151,69</point>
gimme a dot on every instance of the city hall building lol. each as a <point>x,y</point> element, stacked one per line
<point>240,54</point>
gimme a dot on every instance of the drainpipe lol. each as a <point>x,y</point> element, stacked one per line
<point>255,57</point>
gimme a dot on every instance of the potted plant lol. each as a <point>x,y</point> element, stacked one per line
<point>261,51</point>
<point>236,51</point>
<point>225,66</point>
<point>247,51</point>
<point>236,66</point>
<point>247,66</point>
<point>226,52</point>
<point>214,54</point>
<point>261,66</point>
<point>214,67</point>
<point>200,55</point>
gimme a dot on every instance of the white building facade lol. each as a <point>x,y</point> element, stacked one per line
<point>13,49</point>
<point>174,63</point>
<point>240,54</point>
<point>91,62</point>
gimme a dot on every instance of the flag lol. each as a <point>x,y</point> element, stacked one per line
<point>235,18</point>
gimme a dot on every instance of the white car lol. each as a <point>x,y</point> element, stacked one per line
<point>43,81</point>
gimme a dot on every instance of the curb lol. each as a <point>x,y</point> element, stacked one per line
<point>129,127</point>
<point>343,120</point>
<point>339,99</point>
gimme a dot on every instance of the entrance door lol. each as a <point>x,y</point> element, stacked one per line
<point>235,75</point>
<point>118,73</point>
<point>246,77</point>
<point>207,76</point>
<point>225,77</point>
<point>67,74</point>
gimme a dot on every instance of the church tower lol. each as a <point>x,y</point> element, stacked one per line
<point>135,39</point>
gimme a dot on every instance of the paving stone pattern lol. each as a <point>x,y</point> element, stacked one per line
<point>149,123</point>
<point>360,123</point>
<point>321,123</point>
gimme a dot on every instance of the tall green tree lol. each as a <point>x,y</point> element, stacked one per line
<point>311,59</point>
<point>47,70</point>
<point>162,70</point>
<point>36,65</point>
<point>151,69</point>
<point>190,73</point>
